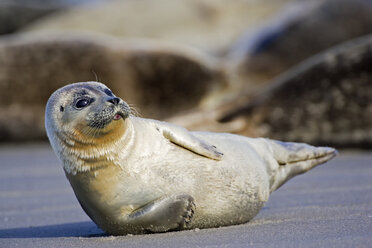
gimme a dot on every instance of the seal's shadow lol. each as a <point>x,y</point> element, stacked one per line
<point>78,229</point>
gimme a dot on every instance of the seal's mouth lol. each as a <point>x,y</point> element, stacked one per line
<point>117,116</point>
<point>120,115</point>
<point>106,115</point>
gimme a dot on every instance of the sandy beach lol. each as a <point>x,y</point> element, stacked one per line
<point>330,206</point>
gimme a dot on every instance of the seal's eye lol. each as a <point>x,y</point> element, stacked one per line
<point>81,103</point>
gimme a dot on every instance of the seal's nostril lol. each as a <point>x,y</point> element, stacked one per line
<point>114,100</point>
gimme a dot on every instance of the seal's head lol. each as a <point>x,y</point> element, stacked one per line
<point>82,116</point>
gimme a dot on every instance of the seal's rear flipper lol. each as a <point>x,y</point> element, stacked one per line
<point>295,159</point>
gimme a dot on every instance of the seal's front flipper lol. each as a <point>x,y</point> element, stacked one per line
<point>295,159</point>
<point>170,213</point>
<point>182,137</point>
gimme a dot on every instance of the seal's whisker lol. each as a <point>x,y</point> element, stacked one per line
<point>133,110</point>
<point>94,131</point>
<point>95,75</point>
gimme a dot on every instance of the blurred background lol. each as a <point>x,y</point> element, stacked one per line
<point>298,70</point>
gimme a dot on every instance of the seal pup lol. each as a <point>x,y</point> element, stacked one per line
<point>136,175</point>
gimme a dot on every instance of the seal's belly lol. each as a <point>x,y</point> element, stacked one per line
<point>232,190</point>
<point>235,189</point>
<point>226,192</point>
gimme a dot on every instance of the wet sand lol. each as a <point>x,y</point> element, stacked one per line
<point>330,206</point>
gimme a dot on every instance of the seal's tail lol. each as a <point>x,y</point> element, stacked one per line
<point>295,159</point>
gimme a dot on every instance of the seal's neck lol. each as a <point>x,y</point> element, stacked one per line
<point>86,150</point>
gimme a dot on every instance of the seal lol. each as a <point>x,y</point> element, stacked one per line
<point>136,175</point>
<point>315,102</point>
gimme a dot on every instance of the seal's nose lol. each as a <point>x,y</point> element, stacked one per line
<point>114,100</point>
